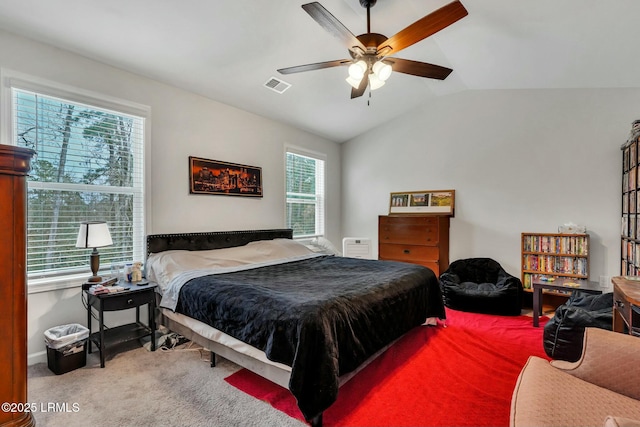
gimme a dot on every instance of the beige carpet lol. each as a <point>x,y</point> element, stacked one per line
<point>142,388</point>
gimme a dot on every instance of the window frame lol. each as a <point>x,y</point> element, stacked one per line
<point>321,207</point>
<point>11,80</point>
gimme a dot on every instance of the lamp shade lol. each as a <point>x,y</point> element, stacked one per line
<point>375,82</point>
<point>382,70</point>
<point>93,234</point>
<point>355,83</point>
<point>357,70</point>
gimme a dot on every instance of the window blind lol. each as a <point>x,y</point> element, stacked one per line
<point>89,166</point>
<point>305,192</point>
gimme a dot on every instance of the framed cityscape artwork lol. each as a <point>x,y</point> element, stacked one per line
<point>224,178</point>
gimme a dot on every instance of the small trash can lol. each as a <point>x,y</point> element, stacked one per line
<point>66,347</point>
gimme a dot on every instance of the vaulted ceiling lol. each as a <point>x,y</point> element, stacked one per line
<point>227,49</point>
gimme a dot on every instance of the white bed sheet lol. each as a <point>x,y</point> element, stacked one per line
<point>172,269</point>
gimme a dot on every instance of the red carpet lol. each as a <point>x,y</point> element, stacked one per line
<point>461,375</point>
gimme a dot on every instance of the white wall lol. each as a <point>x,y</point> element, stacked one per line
<point>524,160</point>
<point>182,124</point>
<point>519,160</point>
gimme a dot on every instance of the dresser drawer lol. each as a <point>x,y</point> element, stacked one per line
<point>422,240</point>
<point>432,264</point>
<point>127,300</point>
<point>408,252</point>
<point>621,305</point>
<point>409,220</point>
<point>412,234</point>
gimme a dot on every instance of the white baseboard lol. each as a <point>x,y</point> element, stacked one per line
<point>39,357</point>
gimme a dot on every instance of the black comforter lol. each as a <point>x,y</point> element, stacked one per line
<point>321,316</point>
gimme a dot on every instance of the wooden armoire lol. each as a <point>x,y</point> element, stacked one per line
<point>15,163</point>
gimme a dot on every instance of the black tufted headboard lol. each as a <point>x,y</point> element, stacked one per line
<point>211,240</point>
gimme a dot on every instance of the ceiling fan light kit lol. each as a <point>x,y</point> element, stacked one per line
<point>375,82</point>
<point>357,69</point>
<point>353,81</point>
<point>382,70</point>
<point>371,64</point>
<point>378,74</point>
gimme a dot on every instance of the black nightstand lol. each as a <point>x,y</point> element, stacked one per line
<point>133,297</point>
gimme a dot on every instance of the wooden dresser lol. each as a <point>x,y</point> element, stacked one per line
<point>626,304</point>
<point>416,239</point>
<point>14,166</point>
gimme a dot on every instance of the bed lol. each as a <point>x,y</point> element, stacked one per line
<point>305,320</point>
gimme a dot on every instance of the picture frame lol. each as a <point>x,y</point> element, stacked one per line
<point>223,178</point>
<point>437,202</point>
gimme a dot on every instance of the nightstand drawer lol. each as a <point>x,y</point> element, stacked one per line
<point>127,300</point>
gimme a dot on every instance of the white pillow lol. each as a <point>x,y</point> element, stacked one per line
<point>164,266</point>
<point>321,245</point>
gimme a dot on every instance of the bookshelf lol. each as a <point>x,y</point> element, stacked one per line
<point>630,234</point>
<point>555,256</point>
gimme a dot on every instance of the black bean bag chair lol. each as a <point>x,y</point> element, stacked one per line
<point>481,285</point>
<point>564,333</point>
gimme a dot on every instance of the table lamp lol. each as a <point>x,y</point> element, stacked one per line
<point>94,234</point>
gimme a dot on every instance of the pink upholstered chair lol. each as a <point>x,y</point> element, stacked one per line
<point>604,384</point>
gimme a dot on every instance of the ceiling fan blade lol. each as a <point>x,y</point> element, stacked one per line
<point>355,93</point>
<point>420,69</point>
<point>316,66</point>
<point>330,23</point>
<point>425,27</point>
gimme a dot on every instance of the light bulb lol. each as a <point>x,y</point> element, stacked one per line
<point>382,70</point>
<point>375,82</point>
<point>357,69</point>
<point>354,82</point>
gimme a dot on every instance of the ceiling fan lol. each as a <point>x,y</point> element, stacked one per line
<point>370,63</point>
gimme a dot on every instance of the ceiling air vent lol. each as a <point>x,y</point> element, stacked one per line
<point>277,85</point>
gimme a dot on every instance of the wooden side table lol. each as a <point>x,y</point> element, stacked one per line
<point>626,304</point>
<point>558,285</point>
<point>133,297</point>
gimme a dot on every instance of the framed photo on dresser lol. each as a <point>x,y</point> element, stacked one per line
<point>440,202</point>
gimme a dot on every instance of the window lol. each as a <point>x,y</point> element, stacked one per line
<point>305,193</point>
<point>88,166</point>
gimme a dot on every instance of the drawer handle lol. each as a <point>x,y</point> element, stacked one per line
<point>619,304</point>
<point>407,251</point>
<point>129,301</point>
